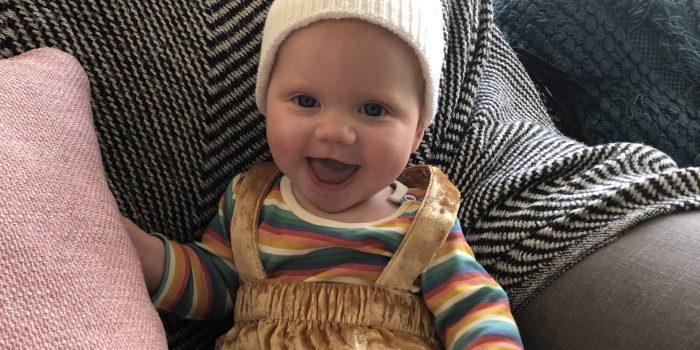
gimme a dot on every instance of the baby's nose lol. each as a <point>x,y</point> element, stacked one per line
<point>335,129</point>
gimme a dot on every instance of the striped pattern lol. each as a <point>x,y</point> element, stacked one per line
<point>200,279</point>
<point>234,129</point>
<point>172,88</point>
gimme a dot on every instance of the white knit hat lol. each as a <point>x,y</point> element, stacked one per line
<point>418,22</point>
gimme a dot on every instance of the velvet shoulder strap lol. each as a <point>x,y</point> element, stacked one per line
<point>429,229</point>
<point>244,223</point>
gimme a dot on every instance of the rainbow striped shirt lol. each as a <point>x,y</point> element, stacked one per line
<point>199,281</point>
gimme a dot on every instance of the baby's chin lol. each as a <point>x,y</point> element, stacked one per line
<point>332,207</point>
<point>361,210</point>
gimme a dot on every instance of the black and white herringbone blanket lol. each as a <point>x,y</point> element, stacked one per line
<point>173,101</point>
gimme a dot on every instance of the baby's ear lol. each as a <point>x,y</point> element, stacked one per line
<point>418,137</point>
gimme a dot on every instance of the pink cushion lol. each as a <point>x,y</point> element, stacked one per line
<point>69,276</point>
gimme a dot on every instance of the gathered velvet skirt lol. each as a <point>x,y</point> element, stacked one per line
<point>279,314</point>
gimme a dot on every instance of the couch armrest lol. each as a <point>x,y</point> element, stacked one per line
<point>639,292</point>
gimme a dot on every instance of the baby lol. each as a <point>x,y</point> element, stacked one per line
<point>337,244</point>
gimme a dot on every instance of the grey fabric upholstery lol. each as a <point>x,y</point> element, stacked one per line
<point>640,292</point>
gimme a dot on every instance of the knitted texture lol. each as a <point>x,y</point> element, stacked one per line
<point>634,65</point>
<point>70,276</point>
<point>417,22</point>
<point>173,101</point>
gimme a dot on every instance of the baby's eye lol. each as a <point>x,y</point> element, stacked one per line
<point>373,109</point>
<point>306,101</point>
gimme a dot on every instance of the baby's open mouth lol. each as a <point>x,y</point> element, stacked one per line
<point>331,171</point>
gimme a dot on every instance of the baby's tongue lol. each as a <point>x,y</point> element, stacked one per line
<point>330,170</point>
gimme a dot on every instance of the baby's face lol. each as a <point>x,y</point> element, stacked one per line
<point>343,112</point>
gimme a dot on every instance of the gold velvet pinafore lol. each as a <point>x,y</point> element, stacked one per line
<point>280,314</point>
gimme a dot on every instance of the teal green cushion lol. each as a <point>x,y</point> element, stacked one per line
<point>625,70</point>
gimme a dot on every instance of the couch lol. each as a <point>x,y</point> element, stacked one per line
<point>172,100</point>
<point>618,71</point>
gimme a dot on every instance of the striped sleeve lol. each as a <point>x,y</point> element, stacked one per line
<point>471,310</point>
<point>199,278</point>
